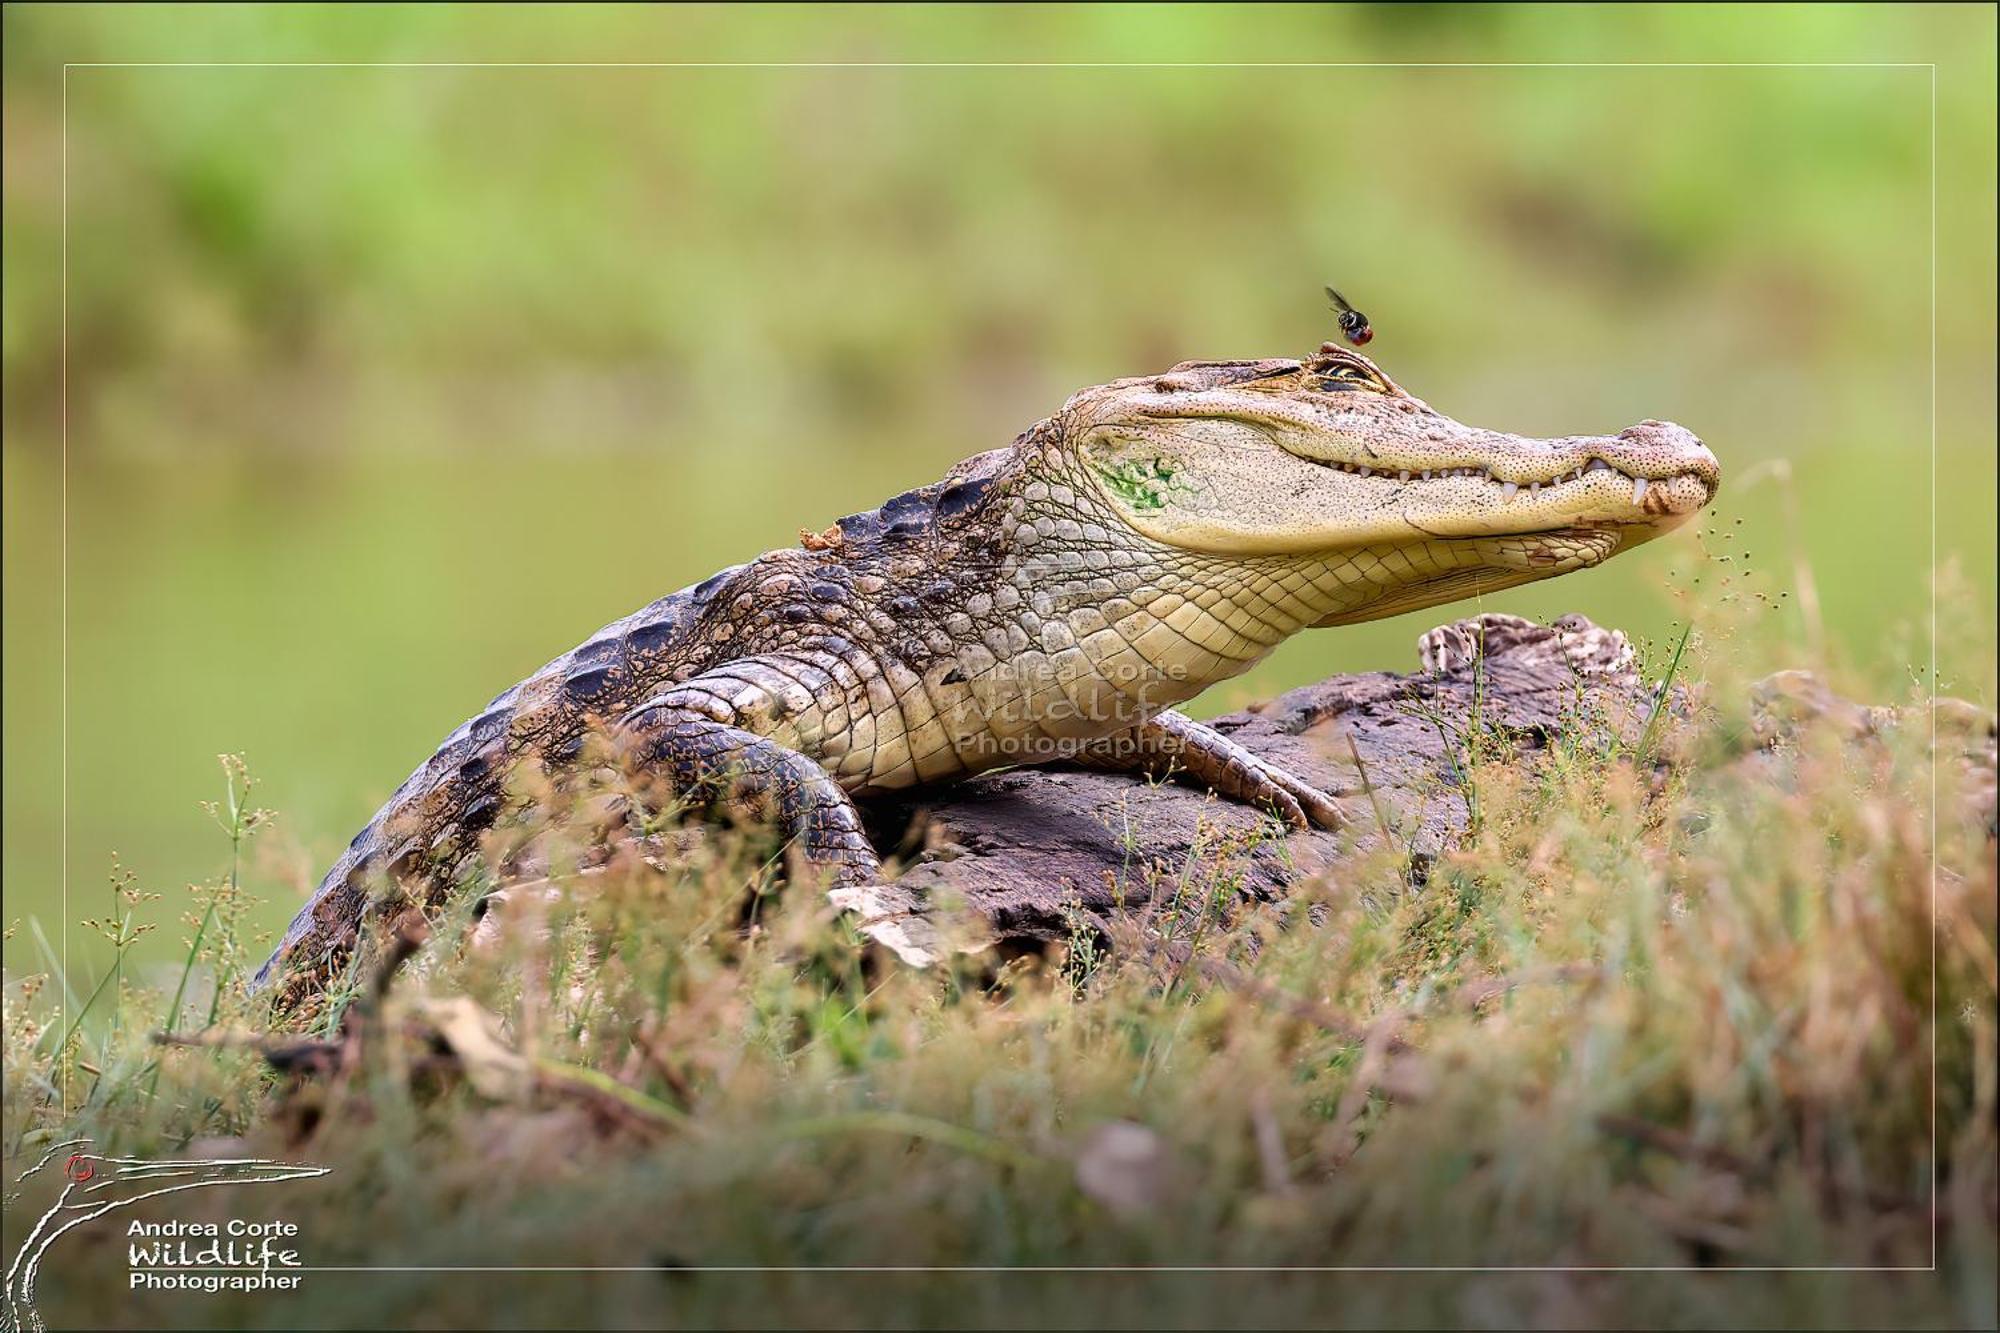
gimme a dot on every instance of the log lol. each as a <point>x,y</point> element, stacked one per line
<point>1041,853</point>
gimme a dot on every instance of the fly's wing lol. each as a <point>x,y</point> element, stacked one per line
<point>1353,323</point>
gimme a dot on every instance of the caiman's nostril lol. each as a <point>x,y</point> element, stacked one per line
<point>1676,447</point>
<point>1662,434</point>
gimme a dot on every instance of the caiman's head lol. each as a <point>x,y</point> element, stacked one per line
<point>1313,457</point>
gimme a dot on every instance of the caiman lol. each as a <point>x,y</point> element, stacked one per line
<point>1046,602</point>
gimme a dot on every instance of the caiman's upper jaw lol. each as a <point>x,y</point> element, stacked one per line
<point>1480,482</point>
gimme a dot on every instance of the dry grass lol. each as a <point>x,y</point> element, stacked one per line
<point>1677,1017</point>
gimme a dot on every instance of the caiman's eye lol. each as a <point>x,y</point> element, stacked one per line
<point>1344,379</point>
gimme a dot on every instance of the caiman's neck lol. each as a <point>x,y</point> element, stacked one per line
<point>1116,610</point>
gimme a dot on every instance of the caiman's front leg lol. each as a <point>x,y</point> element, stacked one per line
<point>718,764</point>
<point>712,764</point>
<point>1172,744</point>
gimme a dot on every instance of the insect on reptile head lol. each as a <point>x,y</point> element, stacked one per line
<point>1309,457</point>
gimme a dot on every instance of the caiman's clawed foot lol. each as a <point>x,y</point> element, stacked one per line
<point>1296,801</point>
<point>1174,745</point>
<point>719,765</point>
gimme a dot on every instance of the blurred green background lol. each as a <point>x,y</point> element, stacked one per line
<point>384,385</point>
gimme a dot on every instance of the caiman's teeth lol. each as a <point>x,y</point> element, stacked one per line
<point>1508,489</point>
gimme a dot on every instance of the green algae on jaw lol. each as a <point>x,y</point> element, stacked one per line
<point>1140,483</point>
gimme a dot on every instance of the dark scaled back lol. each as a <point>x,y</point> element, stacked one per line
<point>659,627</point>
<point>667,642</point>
<point>909,514</point>
<point>962,497</point>
<point>917,512</point>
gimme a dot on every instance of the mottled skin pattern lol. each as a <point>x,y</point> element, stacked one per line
<point>1050,601</point>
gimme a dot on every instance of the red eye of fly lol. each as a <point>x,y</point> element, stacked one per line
<point>1361,336</point>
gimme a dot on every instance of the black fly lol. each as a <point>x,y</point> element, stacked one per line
<point>1353,324</point>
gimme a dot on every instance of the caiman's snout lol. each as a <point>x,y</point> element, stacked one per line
<point>1672,473</point>
<point>1677,449</point>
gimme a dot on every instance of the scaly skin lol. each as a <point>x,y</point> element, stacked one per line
<point>1046,602</point>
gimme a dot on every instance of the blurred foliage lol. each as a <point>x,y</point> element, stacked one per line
<point>385,384</point>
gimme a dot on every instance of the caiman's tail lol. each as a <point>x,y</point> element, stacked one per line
<point>436,817</point>
<point>432,821</point>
